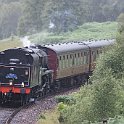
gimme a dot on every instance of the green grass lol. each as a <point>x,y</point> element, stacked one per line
<point>49,117</point>
<point>94,30</point>
<point>10,43</point>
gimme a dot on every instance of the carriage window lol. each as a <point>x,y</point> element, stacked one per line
<point>78,54</point>
<point>85,53</point>
<point>75,55</point>
<point>86,58</point>
<point>97,51</point>
<point>66,61</point>
<point>67,56</point>
<point>94,55</point>
<point>78,59</point>
<point>63,62</point>
<point>70,56</point>
<point>82,58</point>
<point>60,58</point>
<point>70,61</point>
<point>81,54</point>
<point>60,62</point>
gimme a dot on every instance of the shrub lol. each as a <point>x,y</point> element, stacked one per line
<point>61,106</point>
<point>104,104</point>
<point>42,116</point>
<point>87,31</point>
<point>66,99</point>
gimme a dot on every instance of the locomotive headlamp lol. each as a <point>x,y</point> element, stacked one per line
<point>23,84</point>
<point>10,82</point>
<point>11,69</point>
<point>26,72</point>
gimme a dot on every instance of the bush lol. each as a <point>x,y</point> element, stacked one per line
<point>81,110</point>
<point>94,30</point>
<point>65,99</point>
<point>104,104</point>
<point>61,106</point>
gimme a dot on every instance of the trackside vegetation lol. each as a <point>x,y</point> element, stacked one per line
<point>103,99</point>
<point>94,30</point>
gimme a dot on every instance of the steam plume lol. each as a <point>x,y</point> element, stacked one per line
<point>26,42</point>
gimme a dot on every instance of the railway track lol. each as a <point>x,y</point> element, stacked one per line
<point>9,119</point>
<point>8,113</point>
<point>29,113</point>
<point>5,113</point>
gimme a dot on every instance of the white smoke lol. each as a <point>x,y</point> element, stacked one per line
<point>26,42</point>
<point>51,25</point>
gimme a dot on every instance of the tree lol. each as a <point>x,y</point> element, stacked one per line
<point>120,21</point>
<point>105,96</point>
<point>9,16</point>
<point>32,16</point>
<point>64,15</point>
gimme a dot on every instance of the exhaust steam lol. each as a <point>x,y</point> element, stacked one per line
<point>26,42</point>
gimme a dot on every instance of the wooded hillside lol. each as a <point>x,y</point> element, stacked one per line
<point>21,17</point>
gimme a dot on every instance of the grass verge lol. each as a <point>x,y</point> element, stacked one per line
<point>49,117</point>
<point>10,43</point>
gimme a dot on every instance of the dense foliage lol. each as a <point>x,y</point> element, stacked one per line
<point>33,16</point>
<point>63,15</point>
<point>103,99</point>
<point>105,30</point>
<point>9,17</point>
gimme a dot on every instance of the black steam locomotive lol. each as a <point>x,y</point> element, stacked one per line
<point>27,73</point>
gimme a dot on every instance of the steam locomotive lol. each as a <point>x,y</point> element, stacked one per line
<point>29,72</point>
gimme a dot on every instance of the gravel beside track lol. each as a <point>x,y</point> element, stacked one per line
<point>30,115</point>
<point>4,114</point>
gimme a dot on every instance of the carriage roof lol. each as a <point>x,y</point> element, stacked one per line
<point>77,46</point>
